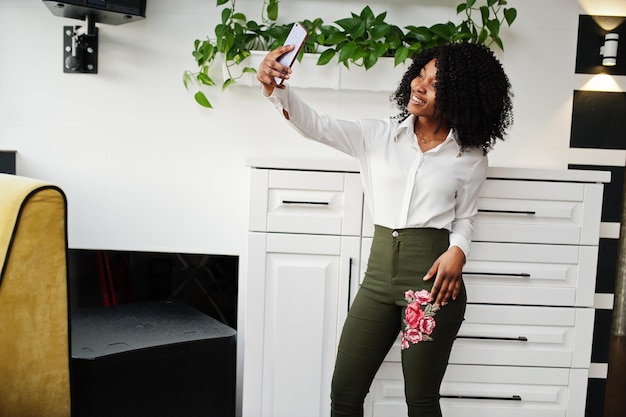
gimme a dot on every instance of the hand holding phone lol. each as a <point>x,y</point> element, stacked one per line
<point>296,37</point>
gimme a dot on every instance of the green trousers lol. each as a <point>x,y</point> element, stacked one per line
<point>398,261</point>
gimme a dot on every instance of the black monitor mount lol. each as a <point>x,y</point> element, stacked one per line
<point>80,47</point>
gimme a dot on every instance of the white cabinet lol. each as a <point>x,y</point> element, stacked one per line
<point>302,296</point>
<point>524,348</point>
<point>304,247</point>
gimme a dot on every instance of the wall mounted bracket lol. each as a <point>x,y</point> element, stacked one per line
<point>80,48</point>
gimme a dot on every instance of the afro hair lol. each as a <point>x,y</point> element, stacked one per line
<point>473,94</point>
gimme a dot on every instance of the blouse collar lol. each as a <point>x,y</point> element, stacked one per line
<point>406,127</point>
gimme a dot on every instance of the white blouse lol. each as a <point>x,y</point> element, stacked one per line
<point>404,187</point>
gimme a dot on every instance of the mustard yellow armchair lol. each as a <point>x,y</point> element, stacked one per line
<point>34,316</point>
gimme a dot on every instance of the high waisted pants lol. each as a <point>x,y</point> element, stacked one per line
<point>398,261</point>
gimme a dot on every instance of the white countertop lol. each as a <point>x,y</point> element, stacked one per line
<point>350,165</point>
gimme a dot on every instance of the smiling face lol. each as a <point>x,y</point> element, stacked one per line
<point>424,91</point>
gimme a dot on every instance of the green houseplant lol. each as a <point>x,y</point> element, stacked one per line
<point>360,39</point>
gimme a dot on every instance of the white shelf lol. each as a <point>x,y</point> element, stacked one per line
<point>307,74</point>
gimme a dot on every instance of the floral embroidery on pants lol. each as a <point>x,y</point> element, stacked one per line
<point>419,318</point>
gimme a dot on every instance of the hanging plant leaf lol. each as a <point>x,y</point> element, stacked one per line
<point>272,10</point>
<point>326,57</point>
<point>203,78</point>
<point>510,15</point>
<point>227,83</point>
<point>348,24</point>
<point>442,30</point>
<point>494,28</point>
<point>188,79</point>
<point>369,61</point>
<point>202,100</point>
<point>401,55</point>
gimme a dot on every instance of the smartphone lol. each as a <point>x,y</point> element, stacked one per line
<point>296,37</point>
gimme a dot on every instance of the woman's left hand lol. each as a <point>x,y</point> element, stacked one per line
<point>447,270</point>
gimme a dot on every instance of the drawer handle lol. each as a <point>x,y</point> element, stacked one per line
<point>526,212</point>
<point>349,280</point>
<point>477,397</point>
<point>307,203</point>
<point>515,339</point>
<point>499,274</point>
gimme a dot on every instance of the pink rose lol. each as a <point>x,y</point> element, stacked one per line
<point>404,344</point>
<point>422,297</point>
<point>409,295</point>
<point>413,314</point>
<point>413,336</point>
<point>427,324</point>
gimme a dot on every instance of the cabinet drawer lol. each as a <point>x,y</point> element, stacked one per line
<point>525,336</point>
<point>525,274</point>
<point>305,202</point>
<point>521,336</point>
<point>488,391</point>
<point>538,212</point>
<point>535,212</point>
<point>508,273</point>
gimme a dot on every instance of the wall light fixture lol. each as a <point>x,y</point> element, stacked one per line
<point>596,49</point>
<point>609,49</point>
